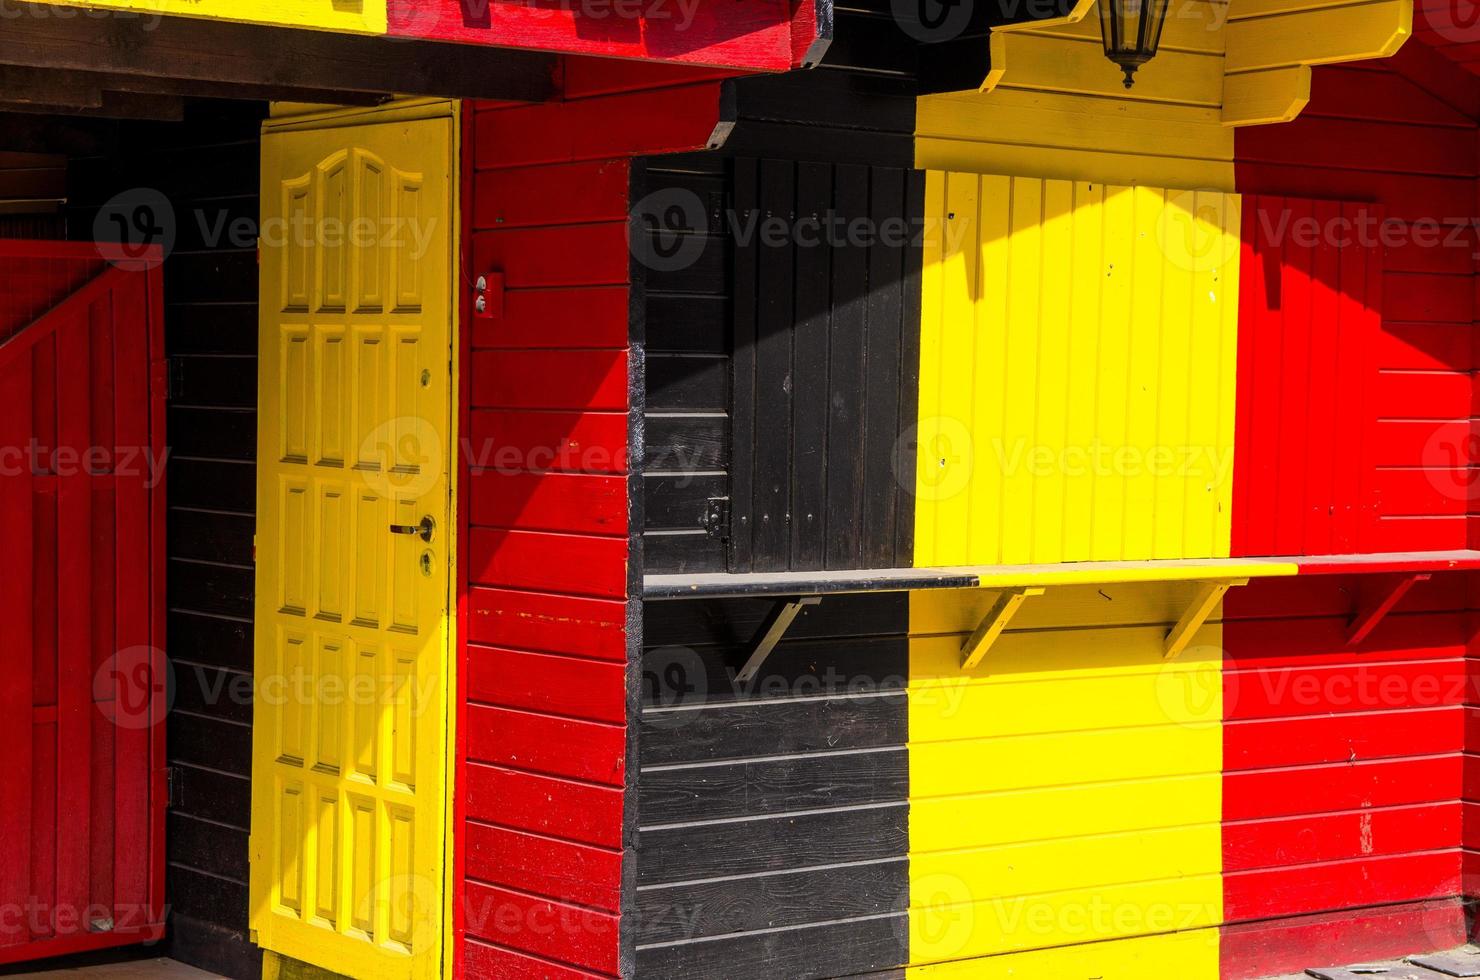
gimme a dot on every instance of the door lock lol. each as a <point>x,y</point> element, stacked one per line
<point>424,530</point>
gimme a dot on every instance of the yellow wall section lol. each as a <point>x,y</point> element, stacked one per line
<point>1067,791</point>
<point>349,16</point>
<point>1078,350</point>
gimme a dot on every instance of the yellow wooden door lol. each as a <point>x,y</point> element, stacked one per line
<point>354,540</point>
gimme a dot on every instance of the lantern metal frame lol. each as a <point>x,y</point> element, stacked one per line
<point>1144,21</point>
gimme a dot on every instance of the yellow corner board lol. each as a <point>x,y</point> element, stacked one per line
<point>345,16</point>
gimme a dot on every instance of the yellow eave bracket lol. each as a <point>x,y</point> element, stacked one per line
<point>1204,601</point>
<point>998,46</point>
<point>994,622</point>
<point>1271,45</point>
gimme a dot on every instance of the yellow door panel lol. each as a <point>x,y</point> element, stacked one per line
<point>354,542</point>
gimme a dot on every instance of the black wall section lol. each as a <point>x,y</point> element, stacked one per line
<point>773,816</point>
<point>208,169</point>
<point>783,358</point>
<point>826,367</point>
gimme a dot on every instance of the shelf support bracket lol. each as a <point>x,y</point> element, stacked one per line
<point>780,620</point>
<point>1204,601</point>
<point>1373,609</point>
<point>993,623</point>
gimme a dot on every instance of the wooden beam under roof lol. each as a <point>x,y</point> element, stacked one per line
<point>30,86</point>
<point>219,51</point>
<point>112,105</point>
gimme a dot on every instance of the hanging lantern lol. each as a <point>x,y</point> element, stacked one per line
<point>1132,30</point>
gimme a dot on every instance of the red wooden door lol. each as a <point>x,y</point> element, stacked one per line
<point>83,686</point>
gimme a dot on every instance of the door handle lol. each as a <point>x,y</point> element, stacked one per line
<point>425,529</point>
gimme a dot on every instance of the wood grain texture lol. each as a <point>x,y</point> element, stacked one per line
<point>1073,767</point>
<point>756,35</point>
<point>1077,372</point>
<point>773,817</point>
<point>86,592</point>
<point>1387,401</point>
<point>545,674</point>
<point>1343,768</point>
<point>1310,314</point>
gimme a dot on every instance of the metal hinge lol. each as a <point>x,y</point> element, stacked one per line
<point>717,517</point>
<point>174,787</point>
<point>175,378</point>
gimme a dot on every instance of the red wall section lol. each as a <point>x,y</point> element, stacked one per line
<point>545,675</point>
<point>1309,321</point>
<point>1343,770</point>
<point>1379,413</point>
<point>760,35</point>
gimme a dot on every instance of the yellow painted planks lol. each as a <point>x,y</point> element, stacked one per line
<point>1076,388</point>
<point>1186,956</point>
<point>350,16</point>
<point>1066,794</point>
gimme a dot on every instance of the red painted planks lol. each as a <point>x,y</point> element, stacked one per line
<point>82,841</point>
<point>532,258</point>
<point>484,960</point>
<point>1363,881</point>
<point>1390,133</point>
<point>746,34</point>
<point>74,621</point>
<point>522,801</point>
<point>1324,789</point>
<point>1365,735</point>
<point>588,751</point>
<point>1353,835</point>
<point>573,503</point>
<point>16,609</point>
<point>589,380</point>
<point>1371,687</point>
<point>553,930</point>
<point>569,872</point>
<point>557,685</point>
<point>666,120</point>
<point>537,621</point>
<point>1307,319</point>
<point>593,442</point>
<point>1289,946</point>
<point>546,483</point>
<point>574,193</point>
<point>533,560</point>
<point>584,316</point>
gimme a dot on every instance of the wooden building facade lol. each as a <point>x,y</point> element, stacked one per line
<point>934,510</point>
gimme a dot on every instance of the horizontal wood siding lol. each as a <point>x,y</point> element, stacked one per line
<point>1344,766</point>
<point>1388,134</point>
<point>688,395</point>
<point>764,344</point>
<point>1073,770</point>
<point>544,676</point>
<point>773,833</point>
<point>208,168</point>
